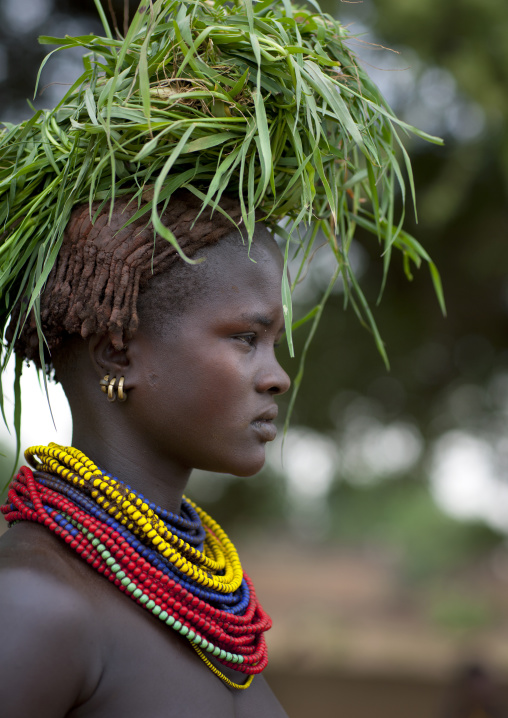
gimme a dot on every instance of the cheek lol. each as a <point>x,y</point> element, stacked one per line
<point>220,386</point>
<point>208,387</point>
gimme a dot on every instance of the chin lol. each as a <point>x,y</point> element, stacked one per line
<point>250,465</point>
<point>243,465</point>
<point>246,472</point>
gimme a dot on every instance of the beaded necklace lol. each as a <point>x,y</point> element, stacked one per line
<point>181,568</point>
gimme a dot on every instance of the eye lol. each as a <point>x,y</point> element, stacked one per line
<point>248,338</point>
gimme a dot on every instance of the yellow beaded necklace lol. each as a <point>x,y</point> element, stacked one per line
<point>219,555</point>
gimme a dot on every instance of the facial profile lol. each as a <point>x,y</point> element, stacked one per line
<point>200,371</point>
<point>203,388</point>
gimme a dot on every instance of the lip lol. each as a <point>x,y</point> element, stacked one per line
<point>268,414</point>
<point>263,424</point>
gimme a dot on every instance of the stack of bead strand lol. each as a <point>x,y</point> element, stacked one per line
<point>216,613</point>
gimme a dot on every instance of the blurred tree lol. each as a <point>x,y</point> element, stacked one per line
<point>455,85</point>
<point>463,214</point>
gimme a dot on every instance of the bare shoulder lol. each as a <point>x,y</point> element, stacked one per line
<point>41,578</point>
<point>29,553</point>
<point>75,638</point>
<point>46,627</point>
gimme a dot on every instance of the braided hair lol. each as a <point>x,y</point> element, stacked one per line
<point>103,266</point>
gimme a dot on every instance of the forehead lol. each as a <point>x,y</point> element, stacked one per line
<point>227,275</point>
<point>230,267</point>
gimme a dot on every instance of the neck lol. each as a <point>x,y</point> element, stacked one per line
<point>132,463</point>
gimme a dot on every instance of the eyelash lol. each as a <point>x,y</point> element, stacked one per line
<point>250,339</point>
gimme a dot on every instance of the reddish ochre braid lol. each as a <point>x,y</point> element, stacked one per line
<point>103,266</point>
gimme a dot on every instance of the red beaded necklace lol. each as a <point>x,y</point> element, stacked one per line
<point>201,592</point>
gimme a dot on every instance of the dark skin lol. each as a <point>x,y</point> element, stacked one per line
<point>201,394</point>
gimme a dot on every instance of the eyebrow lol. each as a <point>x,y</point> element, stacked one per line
<point>258,319</point>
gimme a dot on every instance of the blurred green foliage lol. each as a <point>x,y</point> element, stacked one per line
<point>402,517</point>
<point>467,37</point>
<point>460,614</point>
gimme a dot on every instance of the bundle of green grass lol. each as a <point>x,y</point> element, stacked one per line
<point>263,101</point>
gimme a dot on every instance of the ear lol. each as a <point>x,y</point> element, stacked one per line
<point>105,358</point>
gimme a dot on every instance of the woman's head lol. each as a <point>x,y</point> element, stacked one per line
<point>202,382</point>
<point>195,343</point>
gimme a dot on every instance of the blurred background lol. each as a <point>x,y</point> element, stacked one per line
<point>379,542</point>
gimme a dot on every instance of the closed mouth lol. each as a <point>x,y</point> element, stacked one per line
<point>269,415</point>
<point>264,425</point>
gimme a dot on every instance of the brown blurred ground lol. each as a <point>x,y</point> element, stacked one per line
<point>352,637</point>
<point>353,610</point>
<point>346,696</point>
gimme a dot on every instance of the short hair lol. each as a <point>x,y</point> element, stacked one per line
<point>103,266</point>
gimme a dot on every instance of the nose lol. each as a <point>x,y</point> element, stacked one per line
<point>273,379</point>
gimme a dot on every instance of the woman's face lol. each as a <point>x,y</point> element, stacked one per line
<point>204,386</point>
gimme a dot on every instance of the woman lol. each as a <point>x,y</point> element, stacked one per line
<point>194,359</point>
<point>205,117</point>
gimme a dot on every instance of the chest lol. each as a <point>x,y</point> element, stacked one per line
<point>148,669</point>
